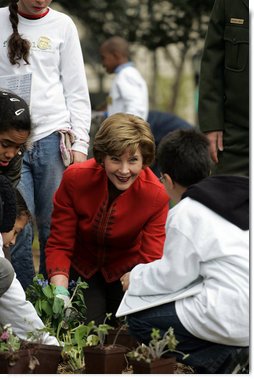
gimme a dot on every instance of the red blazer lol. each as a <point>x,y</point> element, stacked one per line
<point>90,237</point>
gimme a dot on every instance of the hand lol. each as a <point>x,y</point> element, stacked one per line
<point>125,281</point>
<point>62,293</point>
<point>78,156</point>
<point>216,143</point>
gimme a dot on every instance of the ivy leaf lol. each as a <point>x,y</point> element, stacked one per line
<point>46,307</point>
<point>48,292</point>
<point>58,306</point>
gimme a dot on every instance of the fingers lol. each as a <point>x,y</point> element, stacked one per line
<point>216,144</point>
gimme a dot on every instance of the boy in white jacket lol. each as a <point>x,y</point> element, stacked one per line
<point>129,91</point>
<point>207,239</point>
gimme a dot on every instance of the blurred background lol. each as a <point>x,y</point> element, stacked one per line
<point>166,40</point>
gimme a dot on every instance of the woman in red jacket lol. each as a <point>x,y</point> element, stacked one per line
<point>109,215</point>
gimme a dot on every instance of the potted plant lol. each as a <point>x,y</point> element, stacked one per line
<point>149,359</point>
<point>13,359</point>
<point>22,357</point>
<point>51,308</point>
<point>74,342</point>
<point>101,358</point>
<point>47,357</point>
<point>59,322</point>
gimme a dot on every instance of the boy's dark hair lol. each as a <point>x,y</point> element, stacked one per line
<point>12,205</point>
<point>14,112</point>
<point>185,156</point>
<point>7,205</point>
<point>21,206</point>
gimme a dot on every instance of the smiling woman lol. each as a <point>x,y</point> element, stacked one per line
<point>109,215</point>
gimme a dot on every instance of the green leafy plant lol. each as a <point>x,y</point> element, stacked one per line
<point>73,343</point>
<point>75,340</point>
<point>157,347</point>
<point>11,345</point>
<point>9,342</point>
<point>99,332</point>
<point>51,309</point>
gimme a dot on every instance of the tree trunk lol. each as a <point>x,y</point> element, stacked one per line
<point>176,83</point>
<point>153,90</point>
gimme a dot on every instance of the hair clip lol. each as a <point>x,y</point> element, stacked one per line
<point>19,111</point>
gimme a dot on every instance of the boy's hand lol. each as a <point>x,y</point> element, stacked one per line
<point>125,281</point>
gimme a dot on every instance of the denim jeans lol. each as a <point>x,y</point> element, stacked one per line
<point>42,171</point>
<point>206,357</point>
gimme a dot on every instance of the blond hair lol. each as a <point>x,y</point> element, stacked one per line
<point>121,131</point>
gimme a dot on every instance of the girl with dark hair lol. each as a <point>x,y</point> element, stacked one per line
<point>42,42</point>
<point>15,129</point>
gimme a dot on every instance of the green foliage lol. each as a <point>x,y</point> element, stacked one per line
<point>83,335</point>
<point>99,333</point>
<point>9,342</point>
<point>51,308</point>
<point>157,347</point>
<point>152,23</point>
<point>74,341</point>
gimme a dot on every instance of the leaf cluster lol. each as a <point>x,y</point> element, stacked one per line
<point>51,308</point>
<point>83,335</point>
<point>99,333</point>
<point>9,342</point>
<point>157,347</point>
<point>151,23</point>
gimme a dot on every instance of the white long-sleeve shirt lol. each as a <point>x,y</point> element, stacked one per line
<point>129,93</point>
<point>199,242</point>
<point>59,96</point>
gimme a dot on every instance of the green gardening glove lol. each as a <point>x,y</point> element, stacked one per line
<point>62,293</point>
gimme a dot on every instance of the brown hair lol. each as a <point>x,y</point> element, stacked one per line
<point>121,131</point>
<point>18,47</point>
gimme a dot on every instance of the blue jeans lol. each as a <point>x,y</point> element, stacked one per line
<point>42,171</point>
<point>206,357</point>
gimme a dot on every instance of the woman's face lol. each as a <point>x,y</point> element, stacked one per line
<point>33,7</point>
<point>9,239</point>
<point>123,171</point>
<point>10,143</point>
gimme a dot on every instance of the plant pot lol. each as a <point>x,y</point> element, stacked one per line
<point>158,366</point>
<point>123,338</point>
<point>49,357</point>
<point>16,363</point>
<point>108,359</point>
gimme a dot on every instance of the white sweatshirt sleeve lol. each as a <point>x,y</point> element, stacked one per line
<point>74,80</point>
<point>179,267</point>
<point>21,314</point>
